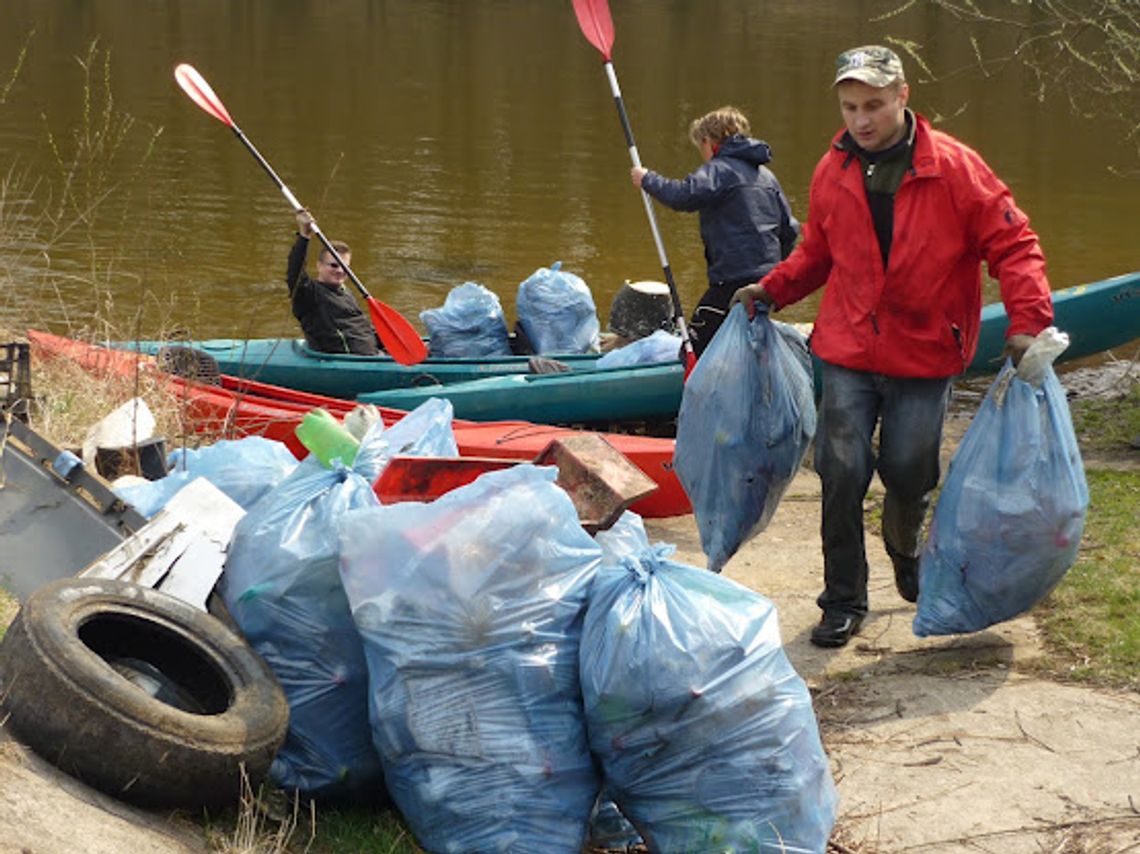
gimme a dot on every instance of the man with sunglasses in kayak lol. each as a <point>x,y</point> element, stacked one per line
<point>900,218</point>
<point>330,316</point>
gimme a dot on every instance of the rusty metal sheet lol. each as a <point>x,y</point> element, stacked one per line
<point>600,480</point>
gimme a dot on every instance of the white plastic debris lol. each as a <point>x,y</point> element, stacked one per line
<point>361,419</point>
<point>124,427</point>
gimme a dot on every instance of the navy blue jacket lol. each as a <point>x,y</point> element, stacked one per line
<point>746,223</point>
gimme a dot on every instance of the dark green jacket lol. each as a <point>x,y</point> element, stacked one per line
<point>330,317</point>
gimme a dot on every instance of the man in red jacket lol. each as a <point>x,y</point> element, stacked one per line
<point>900,218</point>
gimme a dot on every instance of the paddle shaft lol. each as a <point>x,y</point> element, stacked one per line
<point>635,158</point>
<point>394,331</point>
<point>297,206</point>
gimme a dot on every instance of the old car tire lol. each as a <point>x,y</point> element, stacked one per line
<point>139,694</point>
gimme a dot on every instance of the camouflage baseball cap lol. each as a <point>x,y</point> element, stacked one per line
<point>872,64</point>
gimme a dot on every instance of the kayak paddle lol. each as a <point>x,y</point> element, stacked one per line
<point>598,27</point>
<point>398,336</point>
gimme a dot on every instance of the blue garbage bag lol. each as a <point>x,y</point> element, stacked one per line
<point>1011,513</point>
<point>704,731</point>
<point>746,420</point>
<point>471,611</point>
<point>470,324</point>
<point>661,346</point>
<point>244,469</point>
<point>282,585</point>
<point>556,312</point>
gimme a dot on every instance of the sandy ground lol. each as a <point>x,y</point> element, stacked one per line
<point>937,745</point>
<point>43,811</point>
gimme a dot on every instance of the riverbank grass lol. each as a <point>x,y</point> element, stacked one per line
<point>1091,622</point>
<point>312,830</point>
<point>1109,424</point>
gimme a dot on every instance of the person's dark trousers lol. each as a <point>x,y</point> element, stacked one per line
<point>710,313</point>
<point>910,413</point>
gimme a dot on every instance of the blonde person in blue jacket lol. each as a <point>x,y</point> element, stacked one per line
<point>746,223</point>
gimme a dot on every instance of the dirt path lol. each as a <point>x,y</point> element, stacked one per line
<point>942,744</point>
<point>43,811</point>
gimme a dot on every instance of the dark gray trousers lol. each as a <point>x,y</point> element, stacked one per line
<point>910,414</point>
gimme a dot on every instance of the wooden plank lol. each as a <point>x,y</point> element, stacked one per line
<point>182,550</point>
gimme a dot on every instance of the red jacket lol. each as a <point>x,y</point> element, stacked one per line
<point>920,316</point>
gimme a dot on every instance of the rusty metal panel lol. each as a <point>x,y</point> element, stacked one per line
<point>600,480</point>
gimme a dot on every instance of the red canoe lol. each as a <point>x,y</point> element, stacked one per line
<point>239,407</point>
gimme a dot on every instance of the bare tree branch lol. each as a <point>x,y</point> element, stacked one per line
<point>1086,53</point>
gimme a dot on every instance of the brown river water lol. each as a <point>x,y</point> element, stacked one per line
<point>456,140</point>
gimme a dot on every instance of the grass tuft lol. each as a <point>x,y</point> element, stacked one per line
<point>9,605</point>
<point>1092,620</point>
<point>262,826</point>
<point>1110,423</point>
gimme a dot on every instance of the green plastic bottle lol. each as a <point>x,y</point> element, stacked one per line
<point>326,438</point>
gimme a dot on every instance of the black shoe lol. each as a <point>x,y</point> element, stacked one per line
<point>834,630</point>
<point>906,578</point>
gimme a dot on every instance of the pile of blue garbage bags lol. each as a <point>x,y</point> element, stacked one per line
<point>512,683</point>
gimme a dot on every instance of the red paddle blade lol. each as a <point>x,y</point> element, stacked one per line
<point>199,91</point>
<point>690,363</point>
<point>596,24</point>
<point>397,335</point>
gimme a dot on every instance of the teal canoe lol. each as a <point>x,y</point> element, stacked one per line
<point>648,393</point>
<point>291,363</point>
<point>1097,317</point>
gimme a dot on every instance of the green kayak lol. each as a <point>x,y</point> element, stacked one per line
<point>1097,316</point>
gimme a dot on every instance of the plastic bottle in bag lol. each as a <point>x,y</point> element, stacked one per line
<point>326,438</point>
<point>609,829</point>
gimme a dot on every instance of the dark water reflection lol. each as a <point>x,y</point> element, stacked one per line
<point>455,140</point>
